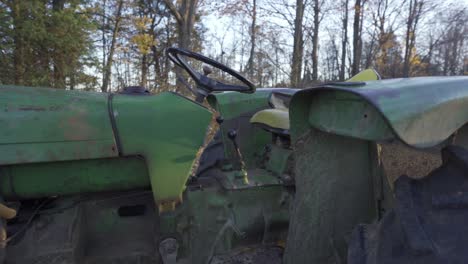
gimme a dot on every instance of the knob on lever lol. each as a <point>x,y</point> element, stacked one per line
<point>232,135</point>
<point>219,119</point>
<point>207,70</point>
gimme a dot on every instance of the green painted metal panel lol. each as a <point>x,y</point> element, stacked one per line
<point>42,125</point>
<point>48,179</point>
<point>237,109</point>
<point>167,130</point>
<point>222,221</point>
<point>232,104</point>
<point>334,193</point>
<point>337,166</point>
<point>422,112</point>
<point>347,115</point>
<point>278,160</point>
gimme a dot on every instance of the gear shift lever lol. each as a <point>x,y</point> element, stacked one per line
<point>232,135</point>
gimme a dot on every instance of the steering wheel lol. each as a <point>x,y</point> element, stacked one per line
<point>206,85</point>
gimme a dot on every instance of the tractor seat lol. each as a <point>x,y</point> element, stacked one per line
<point>275,119</point>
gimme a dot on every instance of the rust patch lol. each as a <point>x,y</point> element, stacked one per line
<point>168,205</point>
<point>76,127</point>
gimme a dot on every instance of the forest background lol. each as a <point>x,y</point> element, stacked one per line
<point>109,44</point>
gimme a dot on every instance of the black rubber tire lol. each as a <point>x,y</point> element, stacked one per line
<point>429,223</point>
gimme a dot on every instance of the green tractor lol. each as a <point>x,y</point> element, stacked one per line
<point>131,177</point>
<point>238,175</point>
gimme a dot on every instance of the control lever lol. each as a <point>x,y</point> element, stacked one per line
<point>232,135</point>
<point>186,84</point>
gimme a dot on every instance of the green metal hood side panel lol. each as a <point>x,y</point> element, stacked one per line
<point>167,130</point>
<point>422,112</point>
<point>233,104</point>
<point>46,179</point>
<point>237,109</point>
<point>41,124</point>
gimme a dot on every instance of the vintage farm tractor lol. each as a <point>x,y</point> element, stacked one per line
<point>131,177</point>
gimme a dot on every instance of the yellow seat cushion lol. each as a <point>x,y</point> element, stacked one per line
<point>274,118</point>
<point>365,75</point>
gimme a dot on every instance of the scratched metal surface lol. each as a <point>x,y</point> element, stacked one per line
<point>422,112</point>
<point>40,124</point>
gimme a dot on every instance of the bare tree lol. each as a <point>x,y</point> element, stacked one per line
<point>110,55</point>
<point>253,35</point>
<point>184,14</point>
<point>331,60</point>
<point>315,40</point>
<point>18,40</point>
<point>453,42</point>
<point>414,14</point>
<point>298,46</point>
<point>357,35</point>
<point>386,56</point>
<point>344,40</point>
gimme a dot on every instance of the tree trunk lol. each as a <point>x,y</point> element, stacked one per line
<point>72,80</point>
<point>357,40</point>
<point>185,17</point>
<point>115,32</point>
<point>158,77</point>
<point>104,38</point>
<point>144,71</point>
<point>298,47</point>
<point>344,41</point>
<point>18,55</point>
<point>253,31</point>
<point>183,26</point>
<point>414,13</point>
<point>409,26</point>
<point>58,57</point>
<point>429,57</point>
<point>315,40</point>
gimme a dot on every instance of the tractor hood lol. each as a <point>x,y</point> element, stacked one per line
<point>43,125</point>
<point>46,126</point>
<point>421,112</point>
